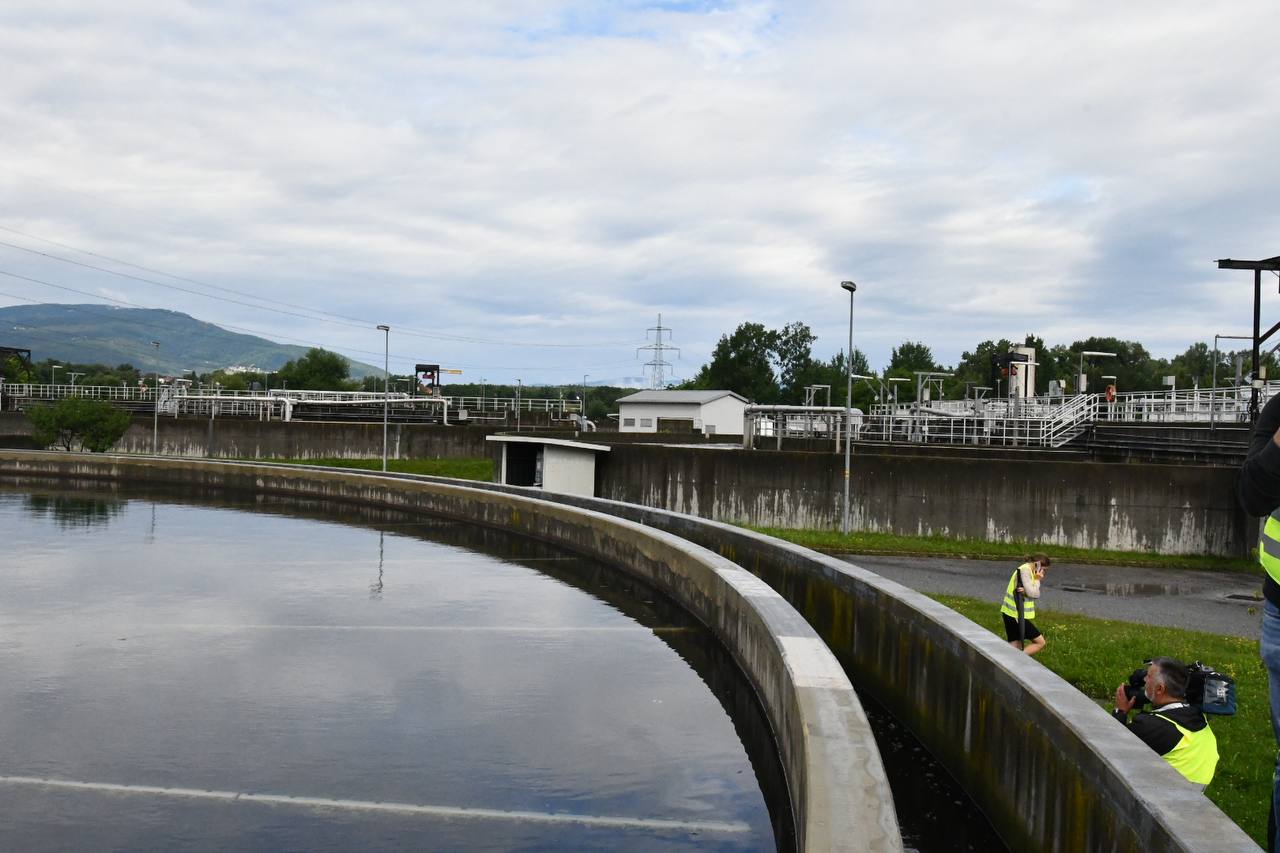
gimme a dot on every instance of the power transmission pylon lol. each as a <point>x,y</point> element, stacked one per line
<point>658,365</point>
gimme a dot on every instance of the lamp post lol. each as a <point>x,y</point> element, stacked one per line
<point>848,408</point>
<point>519,388</point>
<point>1080,372</point>
<point>386,387</point>
<point>155,407</point>
<point>53,373</point>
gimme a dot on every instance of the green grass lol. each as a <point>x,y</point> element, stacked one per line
<point>943,546</point>
<point>1095,655</point>
<point>462,469</point>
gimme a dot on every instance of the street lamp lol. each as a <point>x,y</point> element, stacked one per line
<point>386,388</point>
<point>155,406</point>
<point>584,402</point>
<point>519,388</point>
<point>848,408</point>
<point>1080,372</point>
<point>53,374</point>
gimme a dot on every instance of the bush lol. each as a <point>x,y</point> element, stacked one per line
<point>92,424</point>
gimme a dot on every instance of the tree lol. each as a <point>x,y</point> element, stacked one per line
<point>742,362</point>
<point>794,352</point>
<point>95,425</point>
<point>318,370</point>
<point>910,356</point>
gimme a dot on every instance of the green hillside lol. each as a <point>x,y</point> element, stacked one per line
<point>102,334</point>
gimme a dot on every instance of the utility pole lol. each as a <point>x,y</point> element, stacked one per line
<point>386,388</point>
<point>658,365</point>
<point>155,409</point>
<point>584,402</point>
<point>519,388</point>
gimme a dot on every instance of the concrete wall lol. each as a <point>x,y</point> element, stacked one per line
<point>1051,770</point>
<point>229,438</point>
<point>840,796</point>
<point>1171,509</point>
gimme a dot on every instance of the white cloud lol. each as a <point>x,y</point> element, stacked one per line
<point>563,172</point>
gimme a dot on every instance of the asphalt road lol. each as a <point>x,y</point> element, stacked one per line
<point>1215,602</point>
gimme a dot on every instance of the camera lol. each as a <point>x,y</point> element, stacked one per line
<point>1209,690</point>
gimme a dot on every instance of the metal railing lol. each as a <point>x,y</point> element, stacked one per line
<point>281,403</point>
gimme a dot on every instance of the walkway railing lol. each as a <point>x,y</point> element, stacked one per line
<point>277,403</point>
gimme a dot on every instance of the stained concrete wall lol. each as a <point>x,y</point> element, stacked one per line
<point>1039,497</point>
<point>245,439</point>
<point>1171,509</point>
<point>1050,769</point>
<point>840,796</point>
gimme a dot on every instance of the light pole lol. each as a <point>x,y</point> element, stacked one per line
<point>519,388</point>
<point>584,402</point>
<point>848,408</point>
<point>386,387</point>
<point>155,406</point>
<point>1080,372</point>
<point>53,374</point>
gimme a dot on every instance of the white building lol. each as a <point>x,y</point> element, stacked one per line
<point>708,412</point>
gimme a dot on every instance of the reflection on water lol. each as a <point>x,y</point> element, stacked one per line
<point>205,649</point>
<point>73,510</point>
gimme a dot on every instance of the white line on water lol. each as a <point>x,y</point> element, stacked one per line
<point>394,808</point>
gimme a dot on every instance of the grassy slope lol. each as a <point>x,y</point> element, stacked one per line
<point>1095,655</point>
<point>942,546</point>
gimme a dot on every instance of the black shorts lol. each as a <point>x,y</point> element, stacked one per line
<point>1011,628</point>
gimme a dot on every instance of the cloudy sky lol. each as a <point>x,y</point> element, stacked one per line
<point>520,188</point>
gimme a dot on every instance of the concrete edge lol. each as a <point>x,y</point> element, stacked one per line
<point>1141,792</point>
<point>839,792</point>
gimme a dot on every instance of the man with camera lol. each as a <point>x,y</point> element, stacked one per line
<point>1174,728</point>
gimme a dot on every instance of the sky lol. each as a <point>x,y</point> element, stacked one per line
<point>519,189</point>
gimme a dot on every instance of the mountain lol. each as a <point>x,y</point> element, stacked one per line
<point>103,334</point>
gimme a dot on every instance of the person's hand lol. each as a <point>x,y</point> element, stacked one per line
<point>1123,702</point>
<point>1019,590</point>
<point>1039,573</point>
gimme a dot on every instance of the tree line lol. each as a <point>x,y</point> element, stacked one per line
<point>774,366</point>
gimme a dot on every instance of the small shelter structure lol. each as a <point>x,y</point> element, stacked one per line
<point>553,464</point>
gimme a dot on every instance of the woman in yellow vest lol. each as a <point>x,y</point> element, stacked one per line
<point>1022,591</point>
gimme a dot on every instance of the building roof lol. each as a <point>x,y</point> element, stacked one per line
<point>678,397</point>
<point>555,442</point>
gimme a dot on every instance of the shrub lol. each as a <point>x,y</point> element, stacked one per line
<point>92,424</point>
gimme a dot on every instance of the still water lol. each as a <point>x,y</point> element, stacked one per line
<point>195,676</point>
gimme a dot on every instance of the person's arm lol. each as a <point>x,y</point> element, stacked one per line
<point>1029,579</point>
<point>1259,489</point>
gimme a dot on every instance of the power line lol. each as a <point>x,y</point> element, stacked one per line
<point>312,312</point>
<point>271,336</point>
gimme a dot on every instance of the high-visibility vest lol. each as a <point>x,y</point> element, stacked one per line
<point>1269,546</point>
<point>1196,755</point>
<point>1010,606</point>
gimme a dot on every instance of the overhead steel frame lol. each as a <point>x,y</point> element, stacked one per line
<point>1273,265</point>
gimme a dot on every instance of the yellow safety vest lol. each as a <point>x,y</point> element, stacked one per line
<point>1010,607</point>
<point>1269,547</point>
<point>1196,755</point>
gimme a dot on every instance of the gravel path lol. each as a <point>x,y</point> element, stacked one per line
<point>1215,602</point>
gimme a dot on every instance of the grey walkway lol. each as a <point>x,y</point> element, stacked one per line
<point>1215,602</point>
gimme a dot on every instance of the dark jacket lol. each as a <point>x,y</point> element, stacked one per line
<point>1161,735</point>
<point>1260,477</point>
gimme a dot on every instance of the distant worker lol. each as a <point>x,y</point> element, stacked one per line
<point>1019,606</point>
<point>1174,728</point>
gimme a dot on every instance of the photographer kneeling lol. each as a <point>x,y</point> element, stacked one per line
<point>1174,728</point>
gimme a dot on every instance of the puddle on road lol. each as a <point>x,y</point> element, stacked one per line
<point>1130,590</point>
